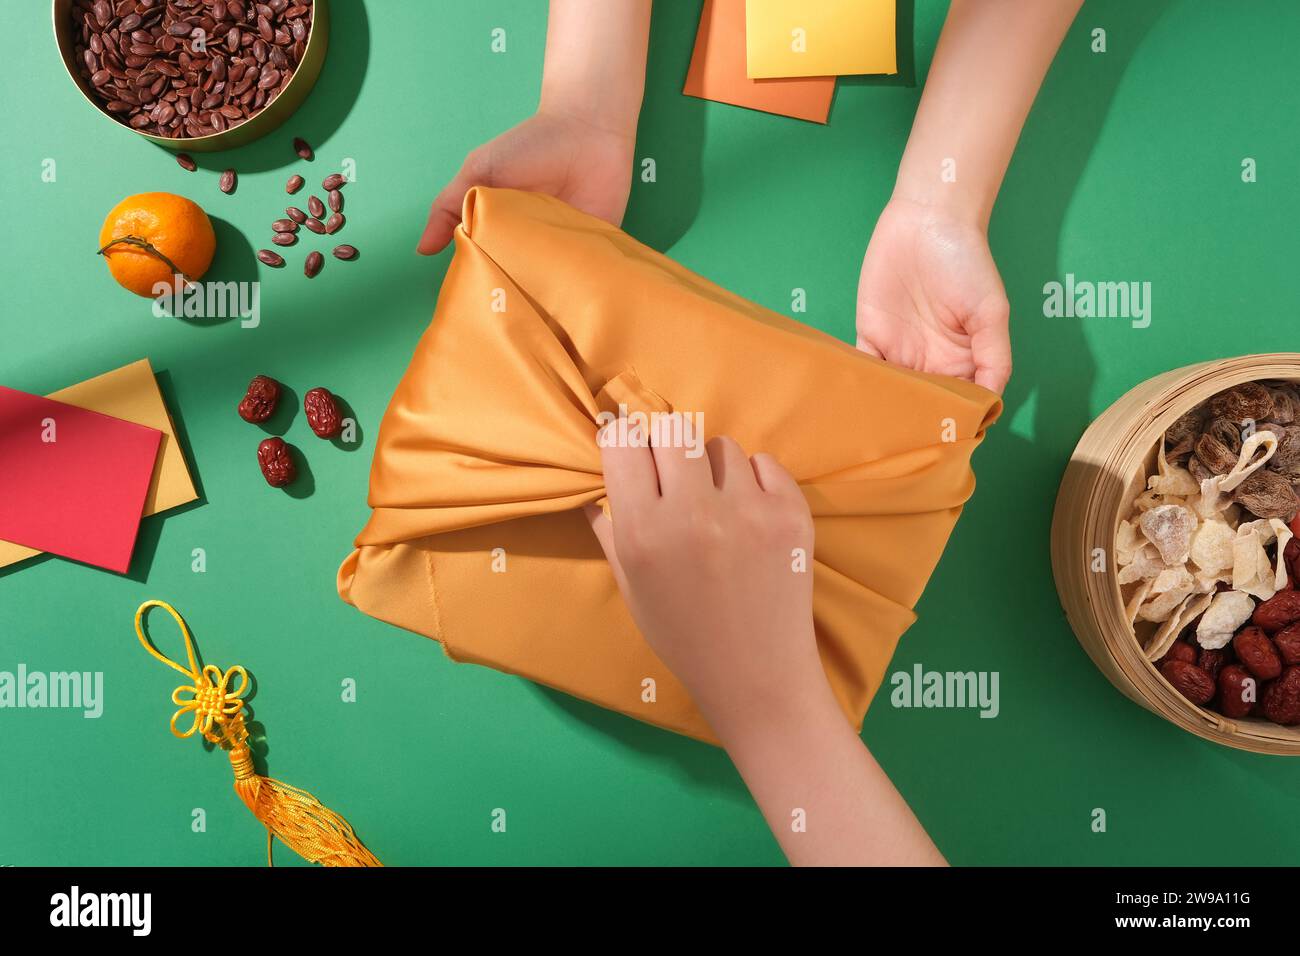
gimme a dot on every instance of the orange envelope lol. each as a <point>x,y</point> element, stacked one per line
<point>717,70</point>
<point>130,393</point>
<point>487,453</point>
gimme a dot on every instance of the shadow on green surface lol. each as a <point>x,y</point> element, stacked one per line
<point>1055,365</point>
<point>670,132</point>
<point>168,389</point>
<point>285,411</point>
<point>359,438</point>
<point>700,763</point>
<point>324,110</point>
<point>304,486</point>
<point>146,543</point>
<point>31,562</point>
<point>1006,526</point>
<point>233,262</point>
<point>904,43</point>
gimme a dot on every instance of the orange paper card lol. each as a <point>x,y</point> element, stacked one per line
<point>72,482</point>
<point>717,70</point>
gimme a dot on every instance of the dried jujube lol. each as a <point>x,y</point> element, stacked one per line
<point>1180,651</point>
<point>1212,660</point>
<point>1287,642</point>
<point>1238,691</point>
<point>1189,680</point>
<point>1277,612</point>
<point>275,458</point>
<point>1257,654</point>
<point>323,413</point>
<point>259,402</point>
<point>1281,699</point>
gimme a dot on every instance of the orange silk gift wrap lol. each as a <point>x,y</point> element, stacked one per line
<point>547,319</point>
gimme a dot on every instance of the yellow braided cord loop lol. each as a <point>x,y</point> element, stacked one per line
<point>302,823</point>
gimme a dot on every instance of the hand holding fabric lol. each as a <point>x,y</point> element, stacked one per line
<point>578,147</point>
<point>713,555</point>
<point>585,166</point>
<point>930,297</point>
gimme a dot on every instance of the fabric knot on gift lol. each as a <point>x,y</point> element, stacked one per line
<point>548,322</point>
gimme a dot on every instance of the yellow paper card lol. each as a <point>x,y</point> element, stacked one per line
<point>785,38</point>
<point>130,393</point>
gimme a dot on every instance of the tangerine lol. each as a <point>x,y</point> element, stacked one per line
<point>150,237</point>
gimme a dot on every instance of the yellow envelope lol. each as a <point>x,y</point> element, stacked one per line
<point>785,38</point>
<point>130,393</point>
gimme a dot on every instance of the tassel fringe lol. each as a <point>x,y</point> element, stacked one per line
<point>302,822</point>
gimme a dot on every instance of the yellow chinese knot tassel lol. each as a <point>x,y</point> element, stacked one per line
<point>302,823</point>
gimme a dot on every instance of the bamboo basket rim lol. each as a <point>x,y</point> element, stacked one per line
<point>1088,509</point>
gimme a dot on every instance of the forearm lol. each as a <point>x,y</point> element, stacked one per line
<point>823,795</point>
<point>991,60</point>
<point>595,62</point>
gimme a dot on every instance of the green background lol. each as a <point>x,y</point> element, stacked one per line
<point>1129,169</point>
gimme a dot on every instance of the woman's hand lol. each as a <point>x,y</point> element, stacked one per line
<point>930,297</point>
<point>579,145</point>
<point>713,556</point>
<point>563,156</point>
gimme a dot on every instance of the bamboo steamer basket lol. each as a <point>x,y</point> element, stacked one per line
<point>1107,471</point>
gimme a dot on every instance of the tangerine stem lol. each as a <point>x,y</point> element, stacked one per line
<point>148,247</point>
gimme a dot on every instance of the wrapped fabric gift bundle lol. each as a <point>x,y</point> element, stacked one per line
<point>548,322</point>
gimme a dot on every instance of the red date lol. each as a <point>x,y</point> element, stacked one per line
<point>1189,680</point>
<point>1237,691</point>
<point>275,458</point>
<point>1212,660</point>
<point>1278,611</point>
<point>1287,642</point>
<point>323,413</point>
<point>1179,651</point>
<point>1257,654</point>
<point>260,400</point>
<point>1281,700</point>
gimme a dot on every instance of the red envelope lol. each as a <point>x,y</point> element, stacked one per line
<point>72,481</point>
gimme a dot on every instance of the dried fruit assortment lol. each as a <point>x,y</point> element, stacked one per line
<point>1208,556</point>
<point>186,68</point>
<point>274,456</point>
